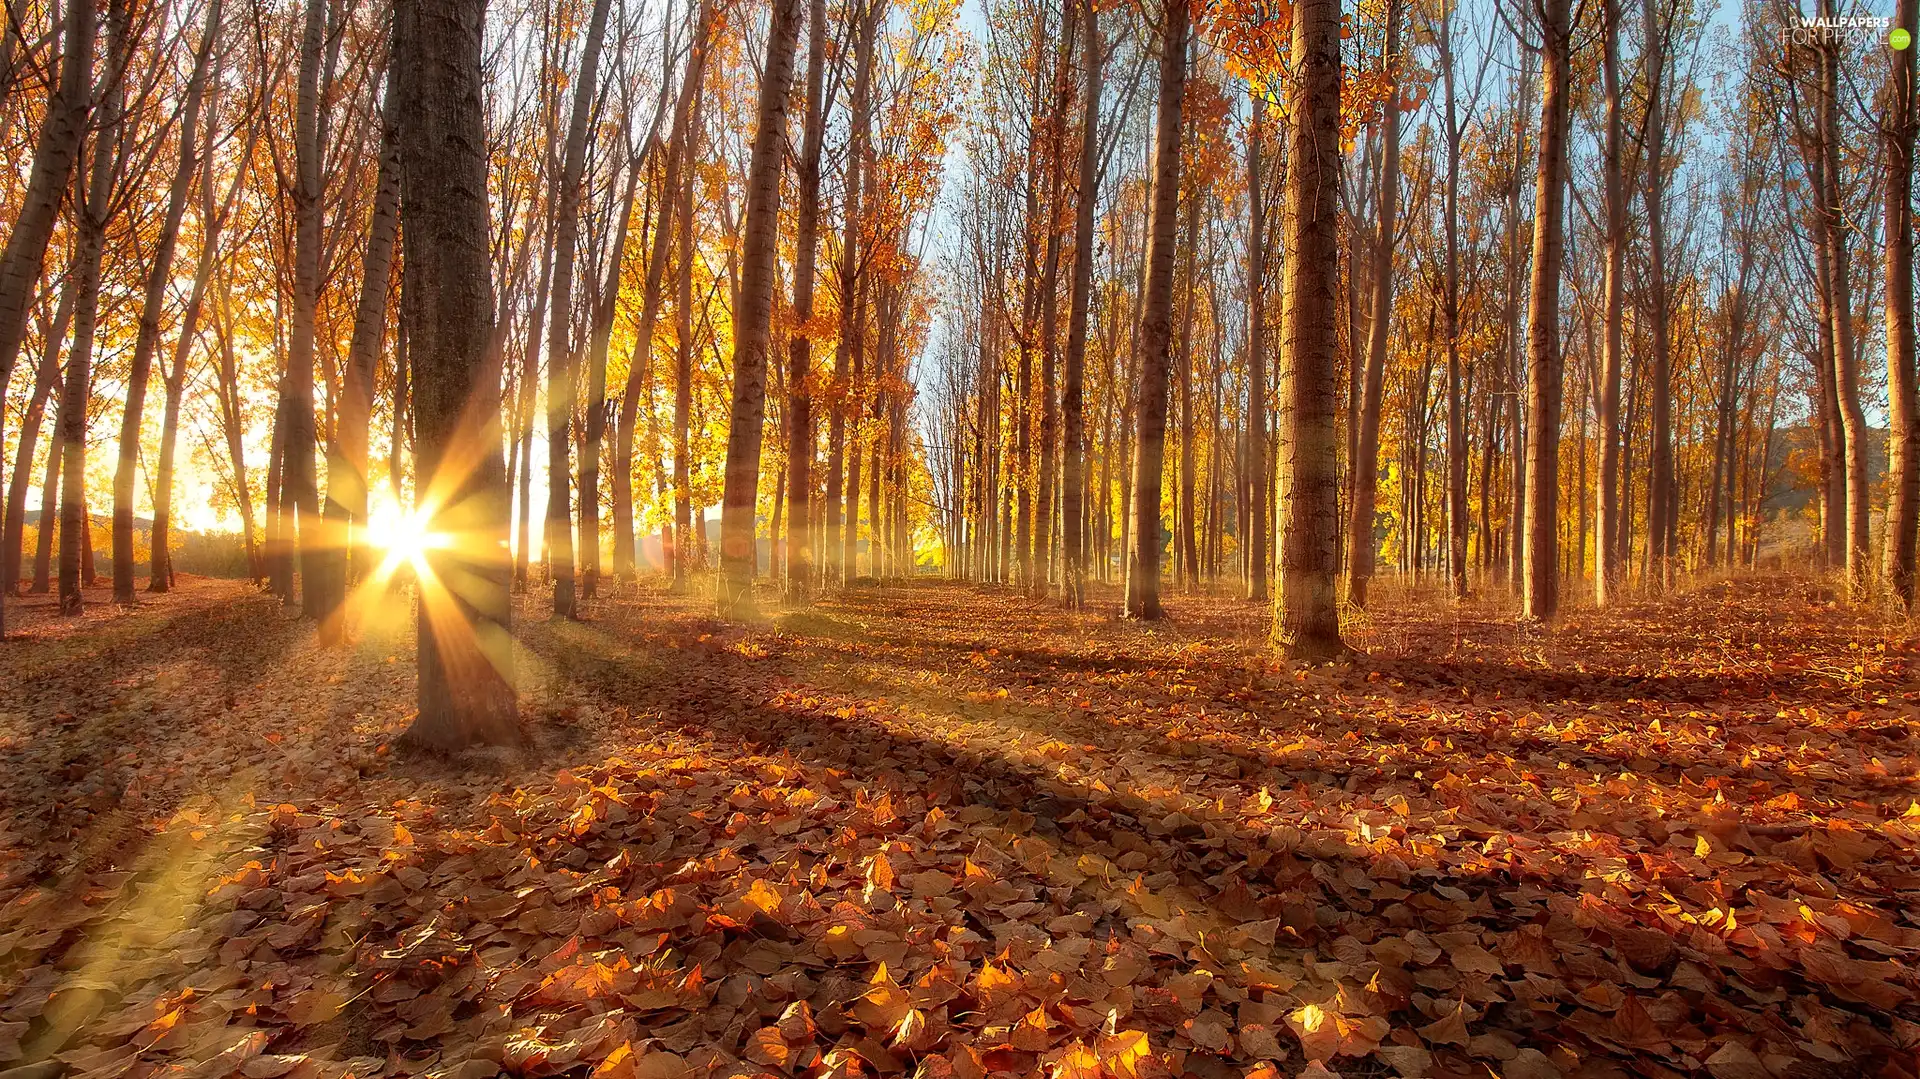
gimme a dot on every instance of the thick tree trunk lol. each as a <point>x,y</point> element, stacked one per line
<point>754,314</point>
<point>561,391</point>
<point>1903,412</point>
<point>1156,321</point>
<point>1366,463</point>
<point>61,132</point>
<point>465,654</point>
<point>93,206</point>
<point>1306,615</point>
<point>1541,588</point>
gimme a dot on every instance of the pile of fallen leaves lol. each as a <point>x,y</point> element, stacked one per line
<point>938,831</point>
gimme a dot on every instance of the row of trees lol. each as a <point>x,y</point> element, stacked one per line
<point>1592,321</point>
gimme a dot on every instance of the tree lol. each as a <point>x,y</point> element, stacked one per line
<point>93,207</point>
<point>1607,567</point>
<point>560,353</point>
<point>640,371</point>
<point>1366,465</point>
<point>465,657</point>
<point>347,462</point>
<point>152,306</point>
<point>1541,561</point>
<point>1072,397</point>
<point>1156,320</point>
<point>1903,412</point>
<point>300,485</point>
<point>1306,618</point>
<point>61,133</point>
<point>1255,526</point>
<point>800,343</point>
<point>753,332</point>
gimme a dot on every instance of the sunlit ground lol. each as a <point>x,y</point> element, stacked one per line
<point>1486,846</point>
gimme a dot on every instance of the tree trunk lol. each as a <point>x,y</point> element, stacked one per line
<point>1607,567</point>
<point>61,133</point>
<point>465,655</point>
<point>1458,524</point>
<point>1903,412</point>
<point>46,377</point>
<point>347,462</point>
<point>561,391</point>
<point>1541,562</point>
<point>153,304</point>
<point>604,310</point>
<point>1254,529</point>
<point>753,326</point>
<point>683,363</point>
<point>1072,395</point>
<point>1156,321</point>
<point>800,343</point>
<point>1366,463</point>
<point>1662,498</point>
<point>1846,368</point>
<point>1306,618</point>
<point>92,207</point>
<point>300,489</point>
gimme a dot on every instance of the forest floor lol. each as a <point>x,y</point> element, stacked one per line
<point>935,830</point>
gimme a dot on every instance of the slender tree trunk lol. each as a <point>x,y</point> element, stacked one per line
<point>153,304</point>
<point>1607,568</point>
<point>46,378</point>
<point>561,389</point>
<point>1662,498</point>
<point>348,466</point>
<point>1366,463</point>
<point>465,654</point>
<point>1846,368</point>
<point>753,325</point>
<point>49,514</point>
<point>300,487</point>
<point>1903,412</point>
<point>1541,590</point>
<point>800,343</point>
<point>1156,321</point>
<point>1072,396</point>
<point>683,366</point>
<point>605,307</point>
<point>1255,526</point>
<point>1458,524</point>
